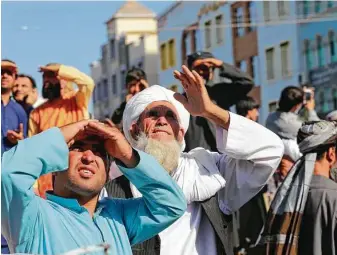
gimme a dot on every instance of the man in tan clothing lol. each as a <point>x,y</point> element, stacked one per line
<point>64,105</point>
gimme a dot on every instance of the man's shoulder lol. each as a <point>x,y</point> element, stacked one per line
<point>18,108</point>
<point>200,155</point>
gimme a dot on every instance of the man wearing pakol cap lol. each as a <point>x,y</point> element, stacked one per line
<point>13,116</point>
<point>155,121</point>
<point>303,215</point>
<point>234,86</point>
<point>64,105</point>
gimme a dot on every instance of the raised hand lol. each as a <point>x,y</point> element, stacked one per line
<point>75,131</point>
<point>210,62</point>
<point>14,136</point>
<point>197,101</point>
<point>51,68</point>
<point>114,142</point>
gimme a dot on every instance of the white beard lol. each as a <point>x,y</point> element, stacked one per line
<point>167,153</point>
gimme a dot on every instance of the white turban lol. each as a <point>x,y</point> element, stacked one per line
<point>137,104</point>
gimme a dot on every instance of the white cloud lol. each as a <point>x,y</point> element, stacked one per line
<point>24,28</point>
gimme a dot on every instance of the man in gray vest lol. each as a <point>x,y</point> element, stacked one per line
<point>214,184</point>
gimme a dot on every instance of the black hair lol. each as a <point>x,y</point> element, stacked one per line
<point>8,60</point>
<point>324,149</point>
<point>290,97</point>
<point>29,77</point>
<point>246,104</point>
<point>135,74</point>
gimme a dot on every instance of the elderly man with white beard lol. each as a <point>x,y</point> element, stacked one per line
<point>214,184</point>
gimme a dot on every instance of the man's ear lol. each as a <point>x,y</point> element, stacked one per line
<point>134,131</point>
<point>181,134</point>
<point>331,154</point>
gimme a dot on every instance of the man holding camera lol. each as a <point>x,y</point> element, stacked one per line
<point>135,81</point>
<point>64,105</point>
<point>224,94</point>
<point>285,122</point>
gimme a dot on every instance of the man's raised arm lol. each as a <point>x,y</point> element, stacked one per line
<point>84,82</point>
<point>21,167</point>
<point>162,201</point>
<point>252,152</point>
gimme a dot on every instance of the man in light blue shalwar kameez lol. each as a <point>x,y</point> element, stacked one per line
<point>72,217</point>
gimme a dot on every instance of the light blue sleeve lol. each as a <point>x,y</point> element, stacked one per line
<point>21,166</point>
<point>162,203</point>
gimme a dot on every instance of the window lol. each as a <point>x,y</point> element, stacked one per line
<point>332,47</point>
<point>171,53</point>
<point>95,96</point>
<point>270,63</point>
<point>112,49</point>
<point>239,20</point>
<point>317,6</point>
<point>104,58</point>
<point>252,16</point>
<point>188,42</point>
<point>306,7</point>
<point>114,84</point>
<point>163,57</point>
<point>266,10</point>
<point>122,50</point>
<point>208,34</point>
<point>330,4</point>
<point>105,89</point>
<point>253,67</point>
<point>282,8</point>
<point>123,79</point>
<point>242,65</point>
<point>320,51</point>
<point>272,106</point>
<point>285,58</point>
<point>99,91</point>
<point>219,29</point>
<point>308,55</point>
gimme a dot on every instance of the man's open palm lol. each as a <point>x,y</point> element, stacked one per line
<point>197,101</point>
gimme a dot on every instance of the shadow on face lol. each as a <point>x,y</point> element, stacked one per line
<point>7,78</point>
<point>160,121</point>
<point>86,175</point>
<point>134,87</point>
<point>22,88</point>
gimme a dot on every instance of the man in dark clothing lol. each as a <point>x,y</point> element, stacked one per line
<point>135,81</point>
<point>201,133</point>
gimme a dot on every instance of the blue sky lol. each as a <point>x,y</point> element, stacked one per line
<point>36,33</point>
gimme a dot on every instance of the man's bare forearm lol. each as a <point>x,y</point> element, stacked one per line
<point>218,115</point>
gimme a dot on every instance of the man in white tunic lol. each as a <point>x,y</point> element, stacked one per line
<point>155,121</point>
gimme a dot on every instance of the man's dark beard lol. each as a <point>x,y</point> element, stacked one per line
<point>51,91</point>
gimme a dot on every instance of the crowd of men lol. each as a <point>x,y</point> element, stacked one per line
<point>168,173</point>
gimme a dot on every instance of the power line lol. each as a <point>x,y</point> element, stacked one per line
<point>254,24</point>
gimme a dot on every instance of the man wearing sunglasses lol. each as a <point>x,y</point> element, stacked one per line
<point>13,116</point>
